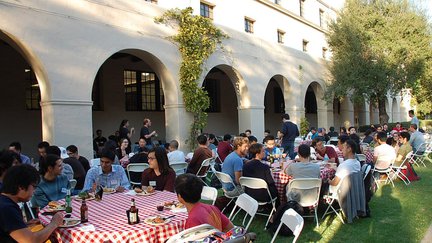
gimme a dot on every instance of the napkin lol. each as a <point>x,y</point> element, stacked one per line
<point>89,227</point>
<point>179,210</point>
<point>131,192</point>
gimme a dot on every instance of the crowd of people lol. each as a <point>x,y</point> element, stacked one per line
<point>235,156</point>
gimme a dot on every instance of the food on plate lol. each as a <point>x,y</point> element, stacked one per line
<point>71,222</point>
<point>54,205</point>
<point>157,220</point>
<point>85,195</point>
<point>107,189</point>
<point>150,189</point>
<point>173,204</point>
<point>138,190</point>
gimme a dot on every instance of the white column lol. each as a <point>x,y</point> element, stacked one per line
<point>347,113</point>
<point>367,113</point>
<point>390,108</point>
<point>66,122</point>
<point>397,113</point>
<point>252,117</point>
<point>177,125</point>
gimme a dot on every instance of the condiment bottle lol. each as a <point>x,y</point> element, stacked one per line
<point>133,213</point>
<point>84,211</point>
<point>68,202</point>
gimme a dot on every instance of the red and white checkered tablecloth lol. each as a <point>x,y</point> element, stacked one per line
<point>110,221</point>
<point>281,180</point>
<point>369,156</point>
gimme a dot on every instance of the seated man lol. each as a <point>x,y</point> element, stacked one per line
<point>323,150</point>
<point>107,174</point>
<point>224,148</point>
<point>233,164</point>
<point>256,169</point>
<point>7,159</point>
<point>72,151</point>
<point>403,151</point>
<point>67,169</point>
<point>16,147</point>
<point>53,185</point>
<point>78,169</point>
<point>348,166</point>
<point>19,185</point>
<point>304,168</point>
<point>175,155</point>
<point>384,154</point>
<point>141,152</point>
<point>200,154</point>
<point>416,140</point>
<point>188,188</point>
<point>271,151</point>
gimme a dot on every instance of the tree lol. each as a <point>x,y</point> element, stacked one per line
<point>379,47</point>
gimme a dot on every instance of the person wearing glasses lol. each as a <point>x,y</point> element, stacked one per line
<point>107,175</point>
<point>159,175</point>
<point>19,184</point>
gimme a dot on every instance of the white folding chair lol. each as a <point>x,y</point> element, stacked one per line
<point>309,189</point>
<point>256,183</point>
<point>294,221</point>
<point>361,158</point>
<point>366,168</point>
<point>397,170</point>
<point>204,168</point>
<point>192,234</point>
<point>420,154</point>
<point>225,178</point>
<point>95,162</point>
<point>135,168</point>
<point>179,167</point>
<point>249,205</point>
<point>209,193</point>
<point>386,171</point>
<point>331,197</point>
<point>72,184</point>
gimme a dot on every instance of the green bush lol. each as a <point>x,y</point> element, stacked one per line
<point>427,124</point>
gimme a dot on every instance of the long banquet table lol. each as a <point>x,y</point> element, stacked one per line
<point>109,219</point>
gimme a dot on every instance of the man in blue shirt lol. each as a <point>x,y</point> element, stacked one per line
<point>270,148</point>
<point>233,163</point>
<point>416,140</point>
<point>414,119</point>
<point>107,174</point>
<point>53,185</point>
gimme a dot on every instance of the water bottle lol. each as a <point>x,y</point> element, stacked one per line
<point>326,157</point>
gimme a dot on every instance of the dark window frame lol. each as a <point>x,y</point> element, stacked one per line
<point>142,95</point>
<point>281,36</point>
<point>32,91</point>
<point>206,9</point>
<point>249,25</point>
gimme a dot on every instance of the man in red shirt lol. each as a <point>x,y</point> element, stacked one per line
<point>224,148</point>
<point>325,150</point>
<point>188,188</point>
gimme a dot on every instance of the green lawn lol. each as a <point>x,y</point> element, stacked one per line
<point>399,214</point>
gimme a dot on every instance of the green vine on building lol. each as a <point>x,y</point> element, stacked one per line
<point>197,38</point>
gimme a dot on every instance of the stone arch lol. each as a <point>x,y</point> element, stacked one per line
<point>22,74</point>
<point>276,99</point>
<point>315,106</point>
<point>227,91</point>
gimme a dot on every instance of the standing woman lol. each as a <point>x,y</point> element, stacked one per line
<point>124,131</point>
<point>160,175</point>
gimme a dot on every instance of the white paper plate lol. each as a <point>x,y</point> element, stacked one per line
<point>70,222</point>
<point>149,221</point>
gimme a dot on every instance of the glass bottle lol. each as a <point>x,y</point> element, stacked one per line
<point>133,213</point>
<point>84,211</point>
<point>68,202</point>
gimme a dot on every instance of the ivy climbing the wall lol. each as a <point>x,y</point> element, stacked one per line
<point>197,38</point>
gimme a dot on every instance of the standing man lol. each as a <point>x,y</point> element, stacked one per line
<point>145,133</point>
<point>19,184</point>
<point>414,119</point>
<point>99,141</point>
<point>289,133</point>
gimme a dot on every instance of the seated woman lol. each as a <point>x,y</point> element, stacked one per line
<point>189,188</point>
<point>304,168</point>
<point>123,151</point>
<point>256,169</point>
<point>404,137</point>
<point>160,175</point>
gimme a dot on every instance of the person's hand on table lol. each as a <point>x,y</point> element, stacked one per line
<point>57,219</point>
<point>120,189</point>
